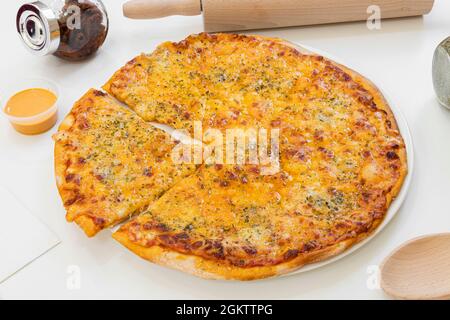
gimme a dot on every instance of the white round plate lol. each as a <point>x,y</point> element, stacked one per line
<point>396,204</point>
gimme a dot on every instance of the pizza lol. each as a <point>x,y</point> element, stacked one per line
<point>110,164</point>
<point>341,158</point>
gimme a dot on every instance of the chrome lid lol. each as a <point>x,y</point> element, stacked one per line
<point>38,27</point>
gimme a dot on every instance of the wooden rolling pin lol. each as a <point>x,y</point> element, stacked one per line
<point>229,15</point>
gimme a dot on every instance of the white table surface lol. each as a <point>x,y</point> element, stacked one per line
<point>397,57</point>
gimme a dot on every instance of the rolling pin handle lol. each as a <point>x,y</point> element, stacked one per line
<point>152,9</point>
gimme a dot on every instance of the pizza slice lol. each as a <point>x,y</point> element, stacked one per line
<point>223,81</point>
<point>110,164</point>
<point>231,222</point>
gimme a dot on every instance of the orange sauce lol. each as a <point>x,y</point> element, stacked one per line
<point>32,103</point>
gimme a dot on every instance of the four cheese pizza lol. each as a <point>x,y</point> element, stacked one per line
<point>341,162</point>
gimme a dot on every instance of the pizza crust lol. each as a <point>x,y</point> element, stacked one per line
<point>213,270</point>
<point>86,223</point>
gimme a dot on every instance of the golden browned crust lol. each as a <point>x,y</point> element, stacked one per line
<point>215,270</point>
<point>86,223</point>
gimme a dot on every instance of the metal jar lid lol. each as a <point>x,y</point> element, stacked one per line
<point>38,27</point>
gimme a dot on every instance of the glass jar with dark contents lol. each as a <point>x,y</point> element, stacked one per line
<point>69,29</point>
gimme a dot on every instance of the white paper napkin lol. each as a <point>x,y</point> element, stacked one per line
<point>23,238</point>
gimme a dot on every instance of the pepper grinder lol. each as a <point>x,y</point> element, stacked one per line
<point>441,72</point>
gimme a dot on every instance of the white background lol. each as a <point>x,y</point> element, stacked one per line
<point>397,58</point>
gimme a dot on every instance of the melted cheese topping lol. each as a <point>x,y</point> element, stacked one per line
<point>342,157</point>
<point>115,164</point>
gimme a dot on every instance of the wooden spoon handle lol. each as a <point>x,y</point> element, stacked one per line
<point>151,9</point>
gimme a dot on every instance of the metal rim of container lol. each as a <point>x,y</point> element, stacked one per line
<point>38,27</point>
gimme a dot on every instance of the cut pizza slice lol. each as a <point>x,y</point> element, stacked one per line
<point>231,222</point>
<point>110,164</point>
<point>223,81</point>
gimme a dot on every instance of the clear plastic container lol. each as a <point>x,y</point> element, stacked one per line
<point>38,123</point>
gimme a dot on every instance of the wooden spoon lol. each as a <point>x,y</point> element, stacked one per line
<point>419,269</point>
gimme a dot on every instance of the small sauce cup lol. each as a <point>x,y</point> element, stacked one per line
<point>36,123</point>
